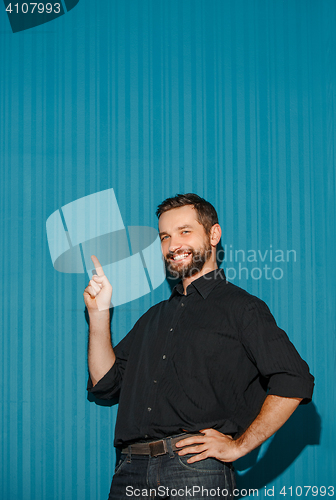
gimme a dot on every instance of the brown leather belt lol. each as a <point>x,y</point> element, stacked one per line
<point>156,448</point>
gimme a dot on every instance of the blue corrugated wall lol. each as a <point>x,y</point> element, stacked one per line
<point>231,99</point>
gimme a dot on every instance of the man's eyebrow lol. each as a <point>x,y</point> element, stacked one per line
<point>179,229</point>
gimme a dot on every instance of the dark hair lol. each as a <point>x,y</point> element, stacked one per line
<point>206,213</point>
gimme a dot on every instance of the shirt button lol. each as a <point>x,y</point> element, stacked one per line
<point>149,409</point>
<point>164,356</point>
<point>146,436</point>
<point>182,304</point>
<point>171,329</point>
<point>155,381</point>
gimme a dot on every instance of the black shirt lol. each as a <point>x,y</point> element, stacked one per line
<point>202,360</point>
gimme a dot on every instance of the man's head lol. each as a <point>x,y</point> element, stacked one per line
<point>206,213</point>
<point>189,233</point>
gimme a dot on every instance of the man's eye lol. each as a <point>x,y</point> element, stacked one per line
<point>185,232</point>
<point>164,238</point>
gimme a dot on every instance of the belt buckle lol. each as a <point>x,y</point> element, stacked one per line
<point>157,448</point>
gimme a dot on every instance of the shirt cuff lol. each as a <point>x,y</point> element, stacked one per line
<point>108,386</point>
<point>290,386</point>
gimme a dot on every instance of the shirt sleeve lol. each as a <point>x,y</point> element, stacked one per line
<point>109,385</point>
<point>275,357</point>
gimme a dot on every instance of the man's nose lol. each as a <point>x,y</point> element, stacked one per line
<point>174,244</point>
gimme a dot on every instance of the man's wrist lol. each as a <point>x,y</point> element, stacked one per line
<point>99,313</point>
<point>239,447</point>
<point>97,316</point>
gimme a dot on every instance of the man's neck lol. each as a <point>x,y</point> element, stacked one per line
<point>207,268</point>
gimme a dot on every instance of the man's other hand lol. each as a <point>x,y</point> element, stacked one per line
<point>211,444</point>
<point>274,412</point>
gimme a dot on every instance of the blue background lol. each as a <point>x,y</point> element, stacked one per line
<point>231,99</point>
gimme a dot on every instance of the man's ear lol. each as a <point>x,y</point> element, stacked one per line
<point>215,234</point>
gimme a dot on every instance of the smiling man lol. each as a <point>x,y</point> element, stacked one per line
<point>203,378</point>
<point>188,248</point>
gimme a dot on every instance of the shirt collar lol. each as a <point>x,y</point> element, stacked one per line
<point>203,285</point>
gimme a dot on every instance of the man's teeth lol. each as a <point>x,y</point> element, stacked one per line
<point>180,256</point>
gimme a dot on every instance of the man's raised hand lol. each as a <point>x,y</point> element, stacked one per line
<point>98,293</point>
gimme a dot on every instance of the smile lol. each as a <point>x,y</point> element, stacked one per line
<point>181,256</point>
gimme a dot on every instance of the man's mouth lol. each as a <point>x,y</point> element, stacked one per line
<point>180,256</point>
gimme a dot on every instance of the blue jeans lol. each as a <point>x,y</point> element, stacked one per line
<point>171,477</point>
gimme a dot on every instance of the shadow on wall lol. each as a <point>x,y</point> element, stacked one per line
<point>302,429</point>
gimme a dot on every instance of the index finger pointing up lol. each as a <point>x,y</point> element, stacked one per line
<point>97,265</point>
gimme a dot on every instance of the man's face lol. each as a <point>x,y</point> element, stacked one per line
<point>184,243</point>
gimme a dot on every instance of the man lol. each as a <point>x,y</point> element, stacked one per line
<point>202,378</point>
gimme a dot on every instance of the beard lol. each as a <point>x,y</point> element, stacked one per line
<point>179,270</point>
